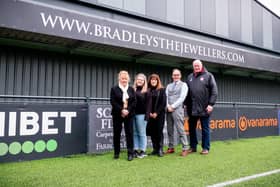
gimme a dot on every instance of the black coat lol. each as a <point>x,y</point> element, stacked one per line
<point>160,103</point>
<point>117,103</point>
<point>202,92</point>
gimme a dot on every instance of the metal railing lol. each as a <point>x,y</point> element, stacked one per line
<point>86,99</point>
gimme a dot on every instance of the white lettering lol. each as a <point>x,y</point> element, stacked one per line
<point>46,122</point>
<point>107,32</point>
<point>177,46</point>
<point>124,34</point>
<point>29,119</point>
<point>214,53</point>
<point>170,44</point>
<point>48,20</point>
<point>104,134</point>
<point>193,49</point>
<point>99,113</point>
<point>155,41</point>
<point>106,123</point>
<point>149,39</point>
<point>12,123</point>
<point>29,123</point>
<point>68,120</point>
<point>100,146</point>
<point>186,48</point>
<point>134,38</point>
<point>2,124</point>
<point>97,30</point>
<point>82,26</point>
<point>161,42</point>
<point>106,113</point>
<point>200,51</point>
<point>116,35</point>
<point>143,39</point>
<point>66,23</point>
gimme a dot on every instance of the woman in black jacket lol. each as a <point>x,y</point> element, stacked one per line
<point>139,122</point>
<point>123,101</point>
<point>155,113</point>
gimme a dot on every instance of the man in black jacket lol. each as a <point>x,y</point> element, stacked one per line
<point>200,101</point>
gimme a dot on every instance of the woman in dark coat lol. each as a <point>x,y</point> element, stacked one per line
<point>155,113</point>
<point>123,101</point>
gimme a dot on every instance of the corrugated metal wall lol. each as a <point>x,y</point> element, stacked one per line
<point>29,72</point>
<point>245,89</point>
<point>38,73</point>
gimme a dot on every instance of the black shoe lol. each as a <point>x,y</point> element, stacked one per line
<point>142,154</point>
<point>130,157</point>
<point>116,156</point>
<point>154,152</point>
<point>135,154</point>
<point>160,153</point>
<point>191,150</point>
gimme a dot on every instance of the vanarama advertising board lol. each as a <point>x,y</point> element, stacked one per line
<point>34,131</point>
<point>232,123</point>
<point>223,124</point>
<point>257,122</point>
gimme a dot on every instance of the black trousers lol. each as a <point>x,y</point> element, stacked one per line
<point>117,129</point>
<point>156,131</point>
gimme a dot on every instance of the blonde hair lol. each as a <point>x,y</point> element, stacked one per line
<point>125,73</point>
<point>145,85</point>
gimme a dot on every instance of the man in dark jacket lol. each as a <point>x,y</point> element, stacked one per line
<point>200,101</point>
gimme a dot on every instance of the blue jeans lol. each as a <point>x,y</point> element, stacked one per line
<point>139,132</point>
<point>205,132</point>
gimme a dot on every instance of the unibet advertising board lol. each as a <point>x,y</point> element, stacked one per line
<point>34,131</point>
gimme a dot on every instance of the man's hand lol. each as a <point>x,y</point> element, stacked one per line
<point>209,109</point>
<point>170,109</point>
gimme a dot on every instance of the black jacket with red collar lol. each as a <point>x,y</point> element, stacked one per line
<point>202,92</point>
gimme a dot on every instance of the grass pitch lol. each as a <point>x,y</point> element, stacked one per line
<point>227,160</point>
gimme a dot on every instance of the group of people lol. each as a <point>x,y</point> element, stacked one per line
<point>143,108</point>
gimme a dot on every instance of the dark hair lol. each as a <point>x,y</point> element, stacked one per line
<point>155,76</point>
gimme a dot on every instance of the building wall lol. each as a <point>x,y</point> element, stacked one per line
<point>243,21</point>
<point>40,73</point>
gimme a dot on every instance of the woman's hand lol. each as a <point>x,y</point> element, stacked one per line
<point>153,115</point>
<point>124,113</point>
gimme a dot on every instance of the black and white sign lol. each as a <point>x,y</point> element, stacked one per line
<point>34,131</point>
<point>39,17</point>
<point>100,129</point>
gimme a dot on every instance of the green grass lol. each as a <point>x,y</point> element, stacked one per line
<point>227,160</point>
<point>271,180</point>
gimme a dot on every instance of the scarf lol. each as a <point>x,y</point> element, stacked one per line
<point>125,94</point>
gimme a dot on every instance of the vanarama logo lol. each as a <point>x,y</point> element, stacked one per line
<point>245,123</point>
<point>214,124</point>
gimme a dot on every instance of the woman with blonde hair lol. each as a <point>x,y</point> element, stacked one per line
<point>123,101</point>
<point>155,113</point>
<point>139,122</point>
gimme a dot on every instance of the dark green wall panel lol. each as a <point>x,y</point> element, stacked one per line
<point>34,73</point>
